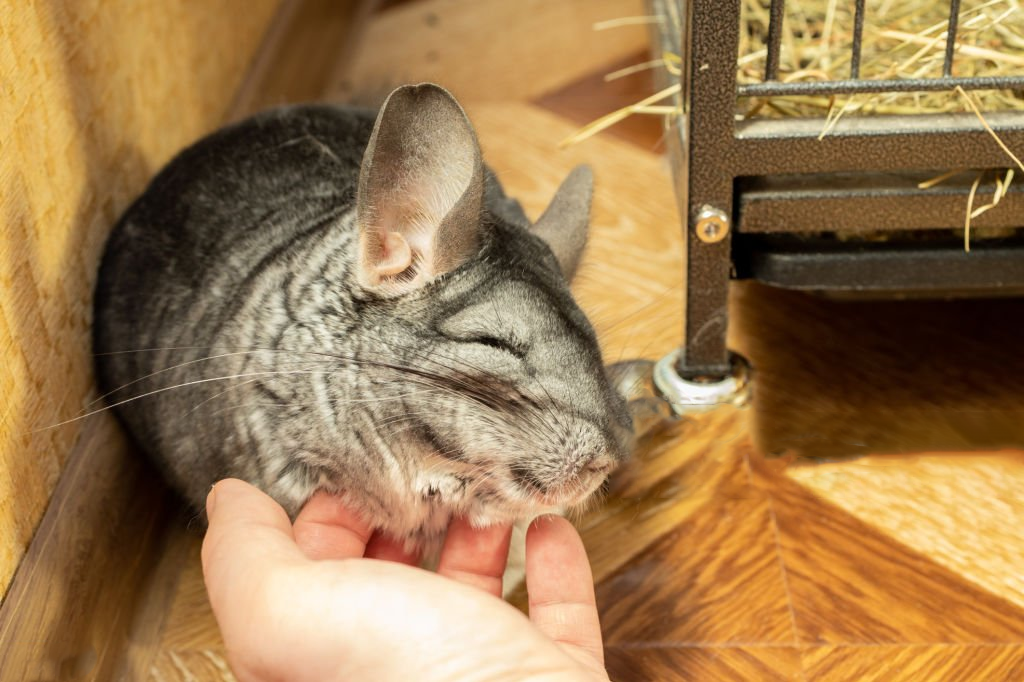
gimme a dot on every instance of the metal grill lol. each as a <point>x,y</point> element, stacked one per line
<point>772,87</point>
<point>756,194</point>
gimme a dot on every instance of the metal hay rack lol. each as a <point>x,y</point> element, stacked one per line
<point>766,199</point>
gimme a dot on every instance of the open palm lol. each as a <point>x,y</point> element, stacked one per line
<point>325,599</point>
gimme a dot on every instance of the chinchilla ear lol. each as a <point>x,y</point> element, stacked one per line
<point>564,223</point>
<point>420,193</point>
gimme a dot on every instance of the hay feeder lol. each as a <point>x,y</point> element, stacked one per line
<point>840,204</point>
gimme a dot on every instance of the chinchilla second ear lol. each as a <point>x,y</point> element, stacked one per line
<point>565,221</point>
<point>420,193</point>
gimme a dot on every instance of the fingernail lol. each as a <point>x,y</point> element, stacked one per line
<point>544,518</point>
<point>211,500</point>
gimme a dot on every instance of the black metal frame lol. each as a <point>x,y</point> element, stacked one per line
<point>771,178</point>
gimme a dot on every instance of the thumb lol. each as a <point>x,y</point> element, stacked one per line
<point>561,589</point>
<point>249,536</point>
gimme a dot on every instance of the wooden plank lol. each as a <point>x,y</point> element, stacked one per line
<point>97,94</point>
<point>73,598</point>
<point>157,594</point>
<point>488,49</point>
<point>591,97</point>
<point>852,584</point>
<point>721,664</point>
<point>715,578</point>
<point>963,510</point>
<point>306,40</point>
<point>954,662</point>
<point>191,666</point>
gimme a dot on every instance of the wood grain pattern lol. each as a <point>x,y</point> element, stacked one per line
<point>837,379</point>
<point>190,624</point>
<point>721,664</point>
<point>73,601</point>
<point>94,97</point>
<point>712,561</point>
<point>849,583</point>
<point>590,97</point>
<point>207,664</point>
<point>964,511</point>
<point>672,478</point>
<point>914,663</point>
<point>325,29</point>
<point>488,49</point>
<point>716,578</point>
<point>178,552</point>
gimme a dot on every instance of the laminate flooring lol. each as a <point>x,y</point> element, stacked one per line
<point>863,519</point>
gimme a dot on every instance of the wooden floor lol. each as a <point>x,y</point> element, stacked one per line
<point>863,520</point>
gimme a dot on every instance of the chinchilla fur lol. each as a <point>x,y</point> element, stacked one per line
<point>324,297</point>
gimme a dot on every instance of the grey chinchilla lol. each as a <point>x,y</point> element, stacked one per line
<point>325,297</point>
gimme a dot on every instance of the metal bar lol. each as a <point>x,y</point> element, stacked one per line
<point>873,143</point>
<point>776,15</point>
<point>713,39</point>
<point>868,202</point>
<point>853,86</point>
<point>951,31</point>
<point>858,32</point>
<point>885,268</point>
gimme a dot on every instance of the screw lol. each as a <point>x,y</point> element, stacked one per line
<point>712,225</point>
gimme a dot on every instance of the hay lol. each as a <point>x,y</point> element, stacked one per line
<point>644,106</point>
<point>1002,185</point>
<point>902,39</point>
<point>977,112</point>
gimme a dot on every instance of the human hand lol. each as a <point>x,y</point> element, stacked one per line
<point>324,599</point>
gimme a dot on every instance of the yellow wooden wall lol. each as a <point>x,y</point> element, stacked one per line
<point>94,96</point>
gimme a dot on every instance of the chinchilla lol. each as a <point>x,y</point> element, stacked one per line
<point>319,297</point>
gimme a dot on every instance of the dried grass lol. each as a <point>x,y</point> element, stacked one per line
<point>902,39</point>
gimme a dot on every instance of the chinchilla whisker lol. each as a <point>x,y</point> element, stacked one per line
<point>469,382</point>
<point>326,357</point>
<point>434,355</point>
<point>462,467</point>
<point>236,349</point>
<point>407,416</point>
<point>331,401</point>
<point>469,391</point>
<point>169,388</point>
<point>211,349</point>
<point>168,369</point>
<point>220,393</point>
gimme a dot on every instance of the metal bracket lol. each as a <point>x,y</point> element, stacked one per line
<point>655,393</point>
<point>689,396</point>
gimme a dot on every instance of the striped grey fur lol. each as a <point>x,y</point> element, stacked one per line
<point>281,308</point>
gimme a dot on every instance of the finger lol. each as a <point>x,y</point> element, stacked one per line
<point>476,556</point>
<point>249,535</point>
<point>561,588</point>
<point>327,529</point>
<point>387,548</point>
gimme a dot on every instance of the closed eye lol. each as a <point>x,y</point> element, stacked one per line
<point>510,346</point>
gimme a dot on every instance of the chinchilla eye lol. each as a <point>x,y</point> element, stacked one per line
<point>510,346</point>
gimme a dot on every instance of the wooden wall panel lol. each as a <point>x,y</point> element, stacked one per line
<point>94,97</point>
